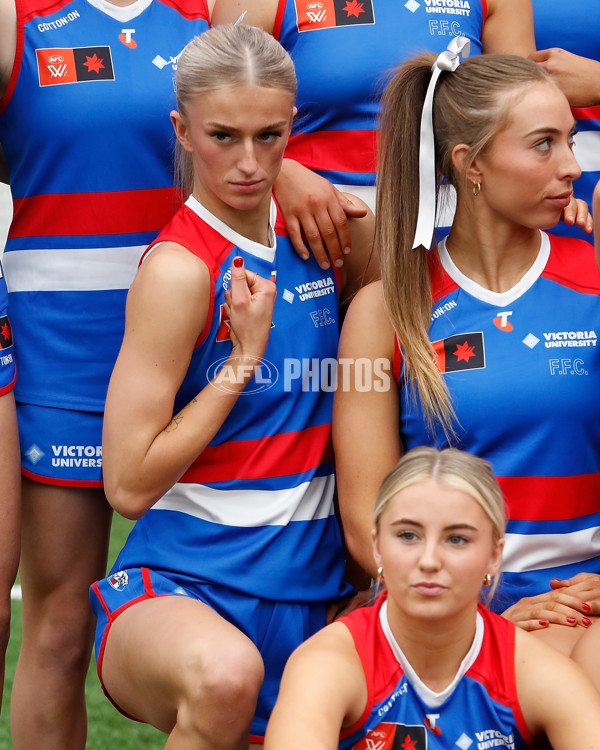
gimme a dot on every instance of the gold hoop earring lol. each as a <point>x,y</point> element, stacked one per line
<point>476,188</point>
<point>380,573</point>
<point>487,581</point>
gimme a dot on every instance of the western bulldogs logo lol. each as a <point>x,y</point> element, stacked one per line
<point>119,580</point>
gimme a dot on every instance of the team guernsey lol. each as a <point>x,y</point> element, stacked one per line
<point>91,88</point>
<point>7,361</point>
<point>478,710</point>
<point>579,36</point>
<point>345,52</point>
<point>254,512</point>
<point>523,370</point>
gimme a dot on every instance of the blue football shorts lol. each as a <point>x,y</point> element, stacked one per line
<point>276,628</point>
<point>61,446</point>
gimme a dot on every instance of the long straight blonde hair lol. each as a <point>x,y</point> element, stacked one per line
<point>470,106</point>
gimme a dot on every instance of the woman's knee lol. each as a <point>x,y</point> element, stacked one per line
<point>220,688</point>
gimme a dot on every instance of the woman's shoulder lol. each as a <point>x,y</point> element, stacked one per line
<point>573,263</point>
<point>369,299</point>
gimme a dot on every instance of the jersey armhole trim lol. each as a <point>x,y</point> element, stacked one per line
<point>16,68</point>
<point>350,730</point>
<point>277,24</point>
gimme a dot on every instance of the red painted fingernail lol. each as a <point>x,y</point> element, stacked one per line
<point>586,621</point>
<point>238,262</point>
<point>543,623</point>
<point>586,607</point>
<point>571,619</point>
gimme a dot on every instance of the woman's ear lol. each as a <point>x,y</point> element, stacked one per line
<point>496,558</point>
<point>181,130</point>
<point>469,169</point>
<point>375,541</point>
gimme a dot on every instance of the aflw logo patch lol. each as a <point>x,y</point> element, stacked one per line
<point>326,14</point>
<point>394,737</point>
<point>76,65</point>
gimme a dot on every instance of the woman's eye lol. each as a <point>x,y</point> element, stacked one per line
<point>457,540</point>
<point>544,145</point>
<point>572,137</point>
<point>221,137</point>
<point>407,536</point>
<point>269,137</point>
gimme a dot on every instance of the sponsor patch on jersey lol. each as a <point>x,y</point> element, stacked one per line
<point>464,351</point>
<point>74,65</point>
<point>6,339</point>
<point>327,14</point>
<point>394,737</point>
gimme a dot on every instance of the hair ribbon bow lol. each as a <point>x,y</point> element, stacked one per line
<point>448,60</point>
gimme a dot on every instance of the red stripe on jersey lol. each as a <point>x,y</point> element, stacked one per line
<point>7,388</point>
<point>277,456</point>
<point>81,214</point>
<point>441,283</point>
<point>572,263</point>
<point>12,82</point>
<point>586,113</point>
<point>29,9</point>
<point>551,498</point>
<point>279,19</point>
<point>335,150</point>
<point>397,366</point>
<point>189,8</point>
<point>59,482</point>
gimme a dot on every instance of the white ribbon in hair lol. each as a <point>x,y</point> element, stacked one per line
<point>448,60</point>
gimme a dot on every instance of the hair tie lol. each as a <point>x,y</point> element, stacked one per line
<point>447,60</point>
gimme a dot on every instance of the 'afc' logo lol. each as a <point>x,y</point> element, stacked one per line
<point>316,12</point>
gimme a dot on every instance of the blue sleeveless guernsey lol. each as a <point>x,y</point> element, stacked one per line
<point>344,52</point>
<point>254,512</point>
<point>88,142</point>
<point>580,34</point>
<point>479,709</point>
<point>523,369</point>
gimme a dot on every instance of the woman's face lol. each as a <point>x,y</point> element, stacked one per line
<point>237,136</point>
<point>435,545</point>
<point>527,173</point>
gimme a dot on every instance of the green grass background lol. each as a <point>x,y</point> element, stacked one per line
<point>107,728</point>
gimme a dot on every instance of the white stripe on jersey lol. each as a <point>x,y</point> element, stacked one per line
<point>537,551</point>
<point>71,269</point>
<point>446,207</point>
<point>307,502</point>
<point>587,150</point>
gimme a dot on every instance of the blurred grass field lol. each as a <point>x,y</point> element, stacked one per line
<point>107,728</point>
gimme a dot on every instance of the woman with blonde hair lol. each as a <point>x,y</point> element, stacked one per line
<point>215,440</point>
<point>428,666</point>
<point>487,342</point>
